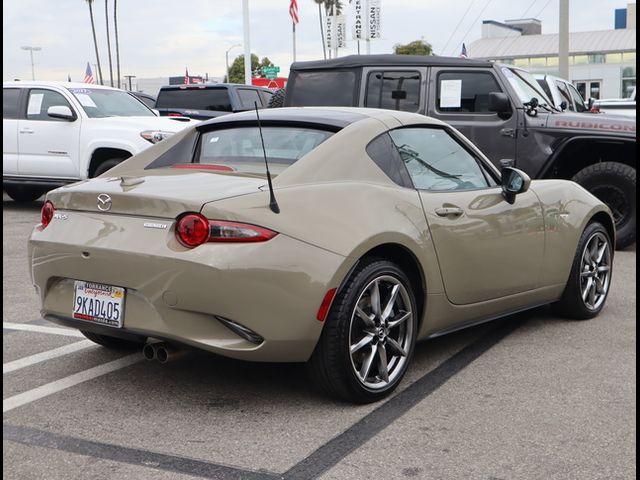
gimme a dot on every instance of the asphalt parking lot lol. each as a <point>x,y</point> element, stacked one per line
<point>529,397</point>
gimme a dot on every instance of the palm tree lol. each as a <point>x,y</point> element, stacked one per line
<point>106,19</point>
<point>95,41</point>
<point>115,27</point>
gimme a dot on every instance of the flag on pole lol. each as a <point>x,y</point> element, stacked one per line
<point>293,11</point>
<point>88,75</point>
<point>463,53</point>
<point>186,76</point>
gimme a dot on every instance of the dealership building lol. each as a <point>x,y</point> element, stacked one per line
<point>602,64</point>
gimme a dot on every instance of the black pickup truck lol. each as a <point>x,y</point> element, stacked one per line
<point>203,101</point>
<point>498,107</point>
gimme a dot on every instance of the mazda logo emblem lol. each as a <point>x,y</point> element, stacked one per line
<point>104,202</point>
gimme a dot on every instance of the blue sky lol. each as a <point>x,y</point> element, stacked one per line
<point>159,38</point>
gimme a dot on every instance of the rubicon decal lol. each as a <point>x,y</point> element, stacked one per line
<point>611,127</point>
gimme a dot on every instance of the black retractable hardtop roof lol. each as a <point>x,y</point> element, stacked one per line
<point>331,118</point>
<point>355,61</point>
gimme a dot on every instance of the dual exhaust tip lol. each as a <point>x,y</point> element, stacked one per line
<point>161,352</point>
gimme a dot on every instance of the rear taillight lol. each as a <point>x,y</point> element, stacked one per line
<point>194,229</point>
<point>48,210</point>
<point>238,232</point>
<point>595,109</point>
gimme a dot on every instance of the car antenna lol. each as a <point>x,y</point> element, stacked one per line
<point>273,205</point>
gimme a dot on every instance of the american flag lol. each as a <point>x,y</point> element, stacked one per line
<point>186,76</point>
<point>293,11</point>
<point>88,76</point>
<point>463,53</point>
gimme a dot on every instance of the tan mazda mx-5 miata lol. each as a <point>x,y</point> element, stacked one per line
<point>382,228</point>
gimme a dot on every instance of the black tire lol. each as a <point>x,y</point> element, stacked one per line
<point>334,368</point>
<point>615,184</point>
<point>20,193</point>
<point>112,343</point>
<point>572,304</point>
<point>277,99</point>
<point>106,165</point>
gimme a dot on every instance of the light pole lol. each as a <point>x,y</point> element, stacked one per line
<point>129,77</point>
<point>31,50</point>
<point>226,58</point>
<point>247,42</point>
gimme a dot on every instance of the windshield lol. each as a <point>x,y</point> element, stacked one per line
<point>100,103</point>
<point>526,86</point>
<point>240,149</point>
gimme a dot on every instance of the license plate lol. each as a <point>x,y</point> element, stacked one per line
<point>98,303</point>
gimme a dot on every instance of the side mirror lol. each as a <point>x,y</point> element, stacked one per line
<point>514,182</point>
<point>61,111</point>
<point>499,103</point>
<point>563,105</point>
<point>590,103</point>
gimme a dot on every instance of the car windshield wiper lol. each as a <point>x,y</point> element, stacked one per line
<point>413,155</point>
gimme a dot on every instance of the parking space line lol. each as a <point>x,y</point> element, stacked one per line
<point>48,355</point>
<point>70,381</point>
<point>41,329</point>
<point>332,452</point>
<point>131,456</point>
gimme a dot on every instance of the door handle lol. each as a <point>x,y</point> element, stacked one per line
<point>26,130</point>
<point>508,132</point>
<point>449,211</point>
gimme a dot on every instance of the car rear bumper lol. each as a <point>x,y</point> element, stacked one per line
<point>273,288</point>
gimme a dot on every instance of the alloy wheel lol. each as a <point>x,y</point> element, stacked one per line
<point>595,271</point>
<point>381,332</point>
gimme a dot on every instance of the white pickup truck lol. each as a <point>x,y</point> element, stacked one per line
<point>55,133</point>
<point>617,106</point>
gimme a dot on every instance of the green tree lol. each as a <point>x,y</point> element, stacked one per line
<point>417,47</point>
<point>236,71</point>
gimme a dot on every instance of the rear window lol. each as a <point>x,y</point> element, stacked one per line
<point>323,89</point>
<point>248,98</point>
<point>195,99</point>
<point>240,148</point>
<point>10,98</point>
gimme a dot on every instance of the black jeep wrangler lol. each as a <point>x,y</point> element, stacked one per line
<point>500,108</point>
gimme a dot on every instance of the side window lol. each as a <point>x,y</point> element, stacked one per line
<point>545,86</point>
<point>39,102</point>
<point>309,88</point>
<point>10,97</point>
<point>437,162</point>
<point>393,90</point>
<point>248,96</point>
<point>465,92</point>
<point>266,97</point>
<point>384,153</point>
<point>566,96</point>
<point>578,99</point>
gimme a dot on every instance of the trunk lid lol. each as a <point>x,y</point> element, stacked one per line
<point>163,194</point>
